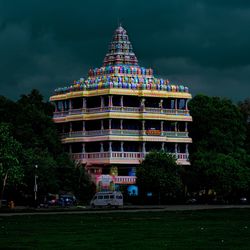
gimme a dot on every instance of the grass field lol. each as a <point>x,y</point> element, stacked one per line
<point>210,229</point>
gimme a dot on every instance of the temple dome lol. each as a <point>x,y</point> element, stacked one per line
<point>120,50</point>
<point>120,30</point>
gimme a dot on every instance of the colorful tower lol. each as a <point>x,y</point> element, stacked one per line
<point>120,112</point>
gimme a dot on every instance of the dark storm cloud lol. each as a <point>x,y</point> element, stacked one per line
<point>47,44</point>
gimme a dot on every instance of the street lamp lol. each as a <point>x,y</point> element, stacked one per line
<point>35,185</point>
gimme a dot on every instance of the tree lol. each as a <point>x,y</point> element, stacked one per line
<point>46,172</point>
<point>8,110</point>
<point>218,125</point>
<point>34,118</point>
<point>11,171</point>
<point>84,187</point>
<point>32,126</point>
<point>56,170</point>
<point>245,110</point>
<point>218,158</point>
<point>159,174</point>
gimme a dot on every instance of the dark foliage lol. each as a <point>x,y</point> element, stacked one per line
<point>30,119</point>
<point>160,175</point>
<point>219,161</point>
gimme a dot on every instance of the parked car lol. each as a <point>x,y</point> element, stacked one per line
<point>56,200</point>
<point>52,199</point>
<point>243,200</point>
<point>218,200</point>
<point>191,201</point>
<point>107,199</point>
<point>67,200</point>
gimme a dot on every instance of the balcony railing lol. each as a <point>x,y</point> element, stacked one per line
<point>120,109</point>
<point>175,134</point>
<point>120,155</point>
<point>128,132</point>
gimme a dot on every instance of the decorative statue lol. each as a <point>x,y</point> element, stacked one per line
<point>161,104</point>
<point>143,103</point>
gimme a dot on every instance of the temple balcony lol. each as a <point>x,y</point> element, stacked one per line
<point>109,132</point>
<point>120,158</point>
<point>120,109</point>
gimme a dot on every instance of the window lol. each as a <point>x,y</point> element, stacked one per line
<point>112,196</point>
<point>106,197</point>
<point>100,197</point>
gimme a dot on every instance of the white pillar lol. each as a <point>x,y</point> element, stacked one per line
<point>102,126</point>
<point>110,101</point>
<point>121,124</point>
<point>187,151</point>
<point>102,102</point>
<point>143,127</point>
<point>55,105</point>
<point>101,147</point>
<point>84,103</point>
<point>186,126</point>
<point>186,104</point>
<point>62,105</point>
<point>83,126</point>
<point>144,147</point>
<point>70,148</point>
<point>176,103</point>
<point>163,146</point>
<point>122,149</point>
<point>121,101</point>
<point>110,146</point>
<point>162,123</point>
<point>110,124</point>
<point>175,126</point>
<point>70,127</point>
<point>143,124</point>
<point>70,104</point>
<point>83,148</point>
<point>176,150</point>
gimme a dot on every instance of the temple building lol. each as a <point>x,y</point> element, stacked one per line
<point>111,119</point>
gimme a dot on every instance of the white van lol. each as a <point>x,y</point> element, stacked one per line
<point>107,199</point>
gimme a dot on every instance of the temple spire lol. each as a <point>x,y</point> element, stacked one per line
<point>120,50</point>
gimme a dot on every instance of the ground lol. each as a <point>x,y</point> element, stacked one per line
<point>204,229</point>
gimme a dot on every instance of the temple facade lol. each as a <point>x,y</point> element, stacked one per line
<point>111,119</point>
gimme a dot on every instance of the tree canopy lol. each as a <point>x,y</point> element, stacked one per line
<point>245,110</point>
<point>11,171</point>
<point>217,155</point>
<point>30,119</point>
<point>159,174</point>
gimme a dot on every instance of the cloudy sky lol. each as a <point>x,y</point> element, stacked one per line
<point>205,44</point>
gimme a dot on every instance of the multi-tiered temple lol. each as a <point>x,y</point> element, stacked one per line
<point>120,112</point>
